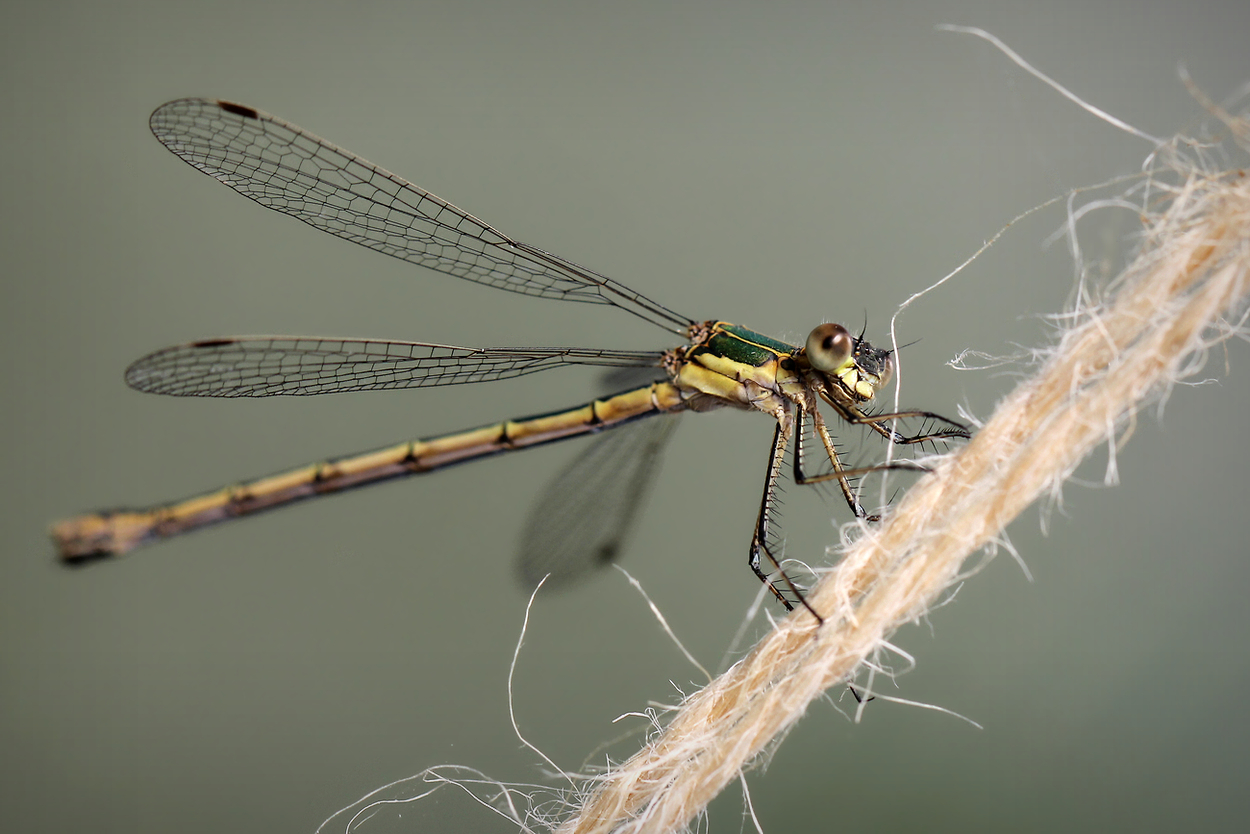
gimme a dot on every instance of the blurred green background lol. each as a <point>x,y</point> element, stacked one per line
<point>778,165</point>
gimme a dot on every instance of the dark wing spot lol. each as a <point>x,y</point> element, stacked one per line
<point>210,343</point>
<point>238,109</point>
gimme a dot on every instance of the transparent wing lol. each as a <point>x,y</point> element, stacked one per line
<point>585,514</point>
<point>285,168</point>
<point>268,366</point>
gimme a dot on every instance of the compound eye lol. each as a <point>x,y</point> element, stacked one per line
<point>829,347</point>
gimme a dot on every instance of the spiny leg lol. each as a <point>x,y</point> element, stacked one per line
<point>759,541</point>
<point>840,473</point>
<point>859,699</point>
<point>853,415</point>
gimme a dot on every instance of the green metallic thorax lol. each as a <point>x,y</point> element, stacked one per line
<point>738,344</point>
<point>731,365</point>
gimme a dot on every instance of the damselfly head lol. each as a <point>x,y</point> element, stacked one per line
<point>860,367</point>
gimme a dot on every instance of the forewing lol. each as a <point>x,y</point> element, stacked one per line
<point>267,366</point>
<point>286,168</point>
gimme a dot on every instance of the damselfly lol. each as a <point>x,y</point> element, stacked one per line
<point>287,169</point>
